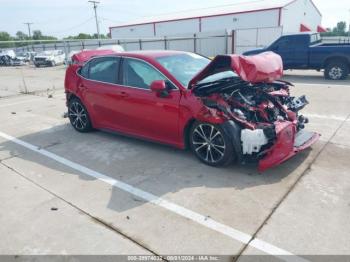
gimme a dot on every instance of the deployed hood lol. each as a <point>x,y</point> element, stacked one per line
<point>262,68</point>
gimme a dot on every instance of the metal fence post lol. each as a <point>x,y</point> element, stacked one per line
<point>140,44</point>
<point>165,43</point>
<point>226,42</point>
<point>233,40</point>
<point>194,43</point>
<point>65,50</point>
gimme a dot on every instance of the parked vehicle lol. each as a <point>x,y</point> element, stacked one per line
<point>23,57</point>
<point>306,51</point>
<point>49,58</point>
<point>116,48</point>
<point>232,108</point>
<point>26,56</point>
<point>6,60</point>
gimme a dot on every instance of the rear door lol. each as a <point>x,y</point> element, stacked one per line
<point>101,91</point>
<point>144,112</point>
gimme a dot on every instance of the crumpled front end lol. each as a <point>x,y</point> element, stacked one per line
<point>288,142</point>
<point>271,128</point>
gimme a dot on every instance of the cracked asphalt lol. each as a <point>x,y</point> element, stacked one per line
<point>53,207</point>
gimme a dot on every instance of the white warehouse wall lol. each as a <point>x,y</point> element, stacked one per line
<point>188,26</point>
<point>300,12</point>
<point>139,31</point>
<point>266,18</point>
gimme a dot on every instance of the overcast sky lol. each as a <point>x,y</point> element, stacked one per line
<point>69,17</point>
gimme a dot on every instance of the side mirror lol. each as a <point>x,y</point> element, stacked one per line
<point>158,86</point>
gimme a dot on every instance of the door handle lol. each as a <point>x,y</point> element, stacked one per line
<point>81,86</point>
<point>124,94</point>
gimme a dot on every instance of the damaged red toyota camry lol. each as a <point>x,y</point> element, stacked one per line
<point>231,108</point>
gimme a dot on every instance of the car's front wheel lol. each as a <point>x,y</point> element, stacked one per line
<point>211,145</point>
<point>78,116</point>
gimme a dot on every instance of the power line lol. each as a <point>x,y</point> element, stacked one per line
<point>95,9</point>
<point>28,25</point>
<point>73,27</point>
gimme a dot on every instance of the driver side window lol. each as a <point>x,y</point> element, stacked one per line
<point>140,74</point>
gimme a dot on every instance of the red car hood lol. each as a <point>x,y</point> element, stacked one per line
<point>85,55</point>
<point>265,67</point>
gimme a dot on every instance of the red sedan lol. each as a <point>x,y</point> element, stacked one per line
<point>232,108</point>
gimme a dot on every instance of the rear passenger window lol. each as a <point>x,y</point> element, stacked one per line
<point>84,71</point>
<point>104,69</point>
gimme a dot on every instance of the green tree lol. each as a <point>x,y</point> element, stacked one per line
<point>4,36</point>
<point>21,36</point>
<point>37,35</point>
<point>340,29</point>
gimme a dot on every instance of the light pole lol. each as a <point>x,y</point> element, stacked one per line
<point>95,9</point>
<point>28,25</point>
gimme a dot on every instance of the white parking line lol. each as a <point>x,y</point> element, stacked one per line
<point>20,102</point>
<point>149,197</point>
<point>330,117</point>
<point>325,84</point>
<point>38,98</point>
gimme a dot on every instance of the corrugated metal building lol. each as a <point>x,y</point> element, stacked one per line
<point>290,16</point>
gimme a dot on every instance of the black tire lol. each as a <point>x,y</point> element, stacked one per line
<point>79,116</point>
<point>336,70</point>
<point>211,145</point>
<point>37,65</point>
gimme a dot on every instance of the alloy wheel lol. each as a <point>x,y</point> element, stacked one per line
<point>335,73</point>
<point>208,143</point>
<point>78,116</point>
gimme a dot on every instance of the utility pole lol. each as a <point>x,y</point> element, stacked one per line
<point>95,9</point>
<point>349,25</point>
<point>28,25</point>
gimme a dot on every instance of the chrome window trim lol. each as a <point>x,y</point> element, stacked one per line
<point>120,57</point>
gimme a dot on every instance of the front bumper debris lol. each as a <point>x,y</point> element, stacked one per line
<point>288,143</point>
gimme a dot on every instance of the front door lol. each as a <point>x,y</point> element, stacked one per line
<point>144,112</point>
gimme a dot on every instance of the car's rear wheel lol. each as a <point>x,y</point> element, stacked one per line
<point>336,70</point>
<point>210,144</point>
<point>78,116</point>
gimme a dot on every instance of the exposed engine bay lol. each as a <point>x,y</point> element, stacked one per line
<point>256,108</point>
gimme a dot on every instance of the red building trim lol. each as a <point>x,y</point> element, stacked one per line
<point>198,17</point>
<point>304,28</point>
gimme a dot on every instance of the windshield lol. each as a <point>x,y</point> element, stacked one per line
<point>183,66</point>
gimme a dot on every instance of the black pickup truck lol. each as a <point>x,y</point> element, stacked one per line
<point>306,51</point>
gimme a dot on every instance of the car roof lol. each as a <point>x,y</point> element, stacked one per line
<point>144,54</point>
<point>85,55</point>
